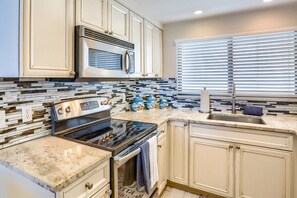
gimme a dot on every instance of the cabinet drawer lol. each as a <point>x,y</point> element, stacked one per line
<point>245,136</point>
<point>102,193</point>
<point>163,131</point>
<point>98,178</point>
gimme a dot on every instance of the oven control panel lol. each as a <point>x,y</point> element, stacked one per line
<point>81,107</point>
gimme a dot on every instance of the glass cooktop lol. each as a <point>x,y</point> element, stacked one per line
<point>112,135</point>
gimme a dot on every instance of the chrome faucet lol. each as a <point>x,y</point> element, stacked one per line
<point>233,96</point>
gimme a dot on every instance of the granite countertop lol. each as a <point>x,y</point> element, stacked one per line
<point>52,162</point>
<point>281,124</point>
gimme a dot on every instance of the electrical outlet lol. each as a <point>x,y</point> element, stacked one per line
<point>27,113</point>
<point>2,119</point>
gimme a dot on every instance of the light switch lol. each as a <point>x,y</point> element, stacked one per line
<point>27,113</point>
<point>2,119</point>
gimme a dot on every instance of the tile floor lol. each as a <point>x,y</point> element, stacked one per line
<point>176,193</point>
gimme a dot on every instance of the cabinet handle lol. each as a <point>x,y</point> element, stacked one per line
<point>156,75</point>
<point>108,192</point>
<point>231,147</point>
<point>163,131</point>
<point>143,75</point>
<point>111,32</point>
<point>185,124</point>
<point>89,186</point>
<point>160,146</point>
<point>106,31</point>
<point>72,73</point>
<point>238,147</point>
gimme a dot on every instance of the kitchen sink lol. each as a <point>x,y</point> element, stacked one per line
<point>236,118</point>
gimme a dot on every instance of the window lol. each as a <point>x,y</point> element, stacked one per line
<point>259,65</point>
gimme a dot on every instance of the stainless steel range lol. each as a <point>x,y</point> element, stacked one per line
<point>88,121</point>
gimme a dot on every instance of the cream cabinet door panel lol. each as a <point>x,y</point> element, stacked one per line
<point>149,49</point>
<point>179,152</point>
<point>211,166</point>
<point>136,37</point>
<point>262,172</point>
<point>158,39</point>
<point>162,164</point>
<point>48,38</point>
<point>92,14</point>
<point>118,20</point>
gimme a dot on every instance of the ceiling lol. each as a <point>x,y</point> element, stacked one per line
<point>166,11</point>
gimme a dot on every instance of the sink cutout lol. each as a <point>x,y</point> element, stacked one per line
<point>236,118</point>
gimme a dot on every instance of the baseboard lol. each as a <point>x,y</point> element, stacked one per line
<point>192,190</point>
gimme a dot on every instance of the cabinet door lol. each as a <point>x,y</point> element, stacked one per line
<point>149,49</point>
<point>136,37</point>
<point>262,172</point>
<point>158,39</point>
<point>92,14</point>
<point>179,152</point>
<point>162,164</point>
<point>118,20</point>
<point>48,38</point>
<point>211,166</point>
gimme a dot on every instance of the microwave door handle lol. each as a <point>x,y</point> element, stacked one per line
<point>129,65</point>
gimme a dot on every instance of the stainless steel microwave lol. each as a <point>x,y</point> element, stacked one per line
<point>99,55</point>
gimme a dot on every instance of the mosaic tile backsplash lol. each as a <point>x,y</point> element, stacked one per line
<point>39,95</point>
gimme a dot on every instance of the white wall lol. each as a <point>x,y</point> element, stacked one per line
<point>231,24</point>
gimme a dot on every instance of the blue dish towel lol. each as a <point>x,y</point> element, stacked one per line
<point>252,110</point>
<point>143,168</point>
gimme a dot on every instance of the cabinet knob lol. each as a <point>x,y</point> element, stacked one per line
<point>160,146</point>
<point>231,147</point>
<point>68,109</point>
<point>111,32</point>
<point>72,73</point>
<point>238,147</point>
<point>106,31</point>
<point>163,131</point>
<point>89,186</point>
<point>60,111</point>
<point>185,124</point>
<point>156,75</point>
<point>108,192</point>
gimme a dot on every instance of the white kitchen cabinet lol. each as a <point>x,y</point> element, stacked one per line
<point>158,52</point>
<point>149,49</point>
<point>118,20</point>
<point>179,151</point>
<point>162,164</point>
<point>13,184</point>
<point>92,14</point>
<point>48,37</point>
<point>211,166</point>
<point>136,37</point>
<point>262,172</point>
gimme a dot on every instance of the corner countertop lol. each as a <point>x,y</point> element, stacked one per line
<point>52,162</point>
<point>280,124</point>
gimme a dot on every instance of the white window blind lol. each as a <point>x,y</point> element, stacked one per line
<point>264,64</point>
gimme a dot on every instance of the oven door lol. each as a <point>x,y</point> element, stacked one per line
<point>123,174</point>
<point>101,60</point>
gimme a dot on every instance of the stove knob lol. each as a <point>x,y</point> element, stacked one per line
<point>109,102</point>
<point>60,111</point>
<point>68,110</point>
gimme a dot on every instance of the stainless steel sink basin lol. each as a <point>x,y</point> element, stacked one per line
<point>236,118</point>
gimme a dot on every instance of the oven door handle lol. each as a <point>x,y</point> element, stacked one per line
<point>122,160</point>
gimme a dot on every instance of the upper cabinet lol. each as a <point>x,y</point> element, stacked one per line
<point>136,37</point>
<point>158,52</point>
<point>149,49</point>
<point>92,13</point>
<point>118,20</point>
<point>48,38</point>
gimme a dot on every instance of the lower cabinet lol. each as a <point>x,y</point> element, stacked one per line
<point>179,151</point>
<point>103,193</point>
<point>211,166</point>
<point>262,172</point>
<point>162,164</point>
<point>233,169</point>
<point>162,158</point>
